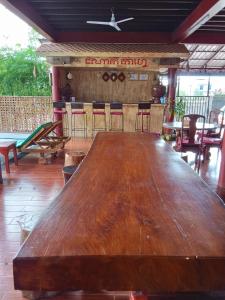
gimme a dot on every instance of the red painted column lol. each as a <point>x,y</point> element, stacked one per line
<point>56,96</point>
<point>221,181</point>
<point>172,83</point>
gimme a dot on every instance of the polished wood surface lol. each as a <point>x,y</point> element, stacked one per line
<point>178,125</point>
<point>87,85</point>
<point>129,112</point>
<point>134,216</point>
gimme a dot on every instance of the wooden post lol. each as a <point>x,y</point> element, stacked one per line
<point>172,78</point>
<point>56,95</point>
<point>221,181</point>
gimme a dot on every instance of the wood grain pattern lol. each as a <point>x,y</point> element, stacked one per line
<point>133,217</point>
<point>88,85</point>
<point>129,111</point>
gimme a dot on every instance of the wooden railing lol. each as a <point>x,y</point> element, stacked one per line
<point>196,104</point>
<point>24,114</point>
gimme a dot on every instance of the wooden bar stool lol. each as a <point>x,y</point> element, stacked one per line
<point>116,110</point>
<point>78,113</point>
<point>98,113</point>
<point>74,158</point>
<point>5,148</point>
<point>72,161</point>
<point>59,109</point>
<point>143,115</point>
<point>68,172</point>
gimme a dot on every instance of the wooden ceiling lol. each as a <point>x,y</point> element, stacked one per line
<point>159,15</point>
<point>155,21</point>
<point>192,22</point>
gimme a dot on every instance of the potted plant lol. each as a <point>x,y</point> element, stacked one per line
<point>179,109</point>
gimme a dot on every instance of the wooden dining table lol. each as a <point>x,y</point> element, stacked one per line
<point>133,217</point>
<point>176,125</point>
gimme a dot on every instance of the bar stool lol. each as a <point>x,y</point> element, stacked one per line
<point>68,172</point>
<point>73,158</point>
<point>142,115</point>
<point>78,113</point>
<point>98,113</point>
<point>116,110</point>
<point>59,109</point>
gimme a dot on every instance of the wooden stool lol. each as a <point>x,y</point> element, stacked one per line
<point>59,110</point>
<point>142,115</point>
<point>5,147</point>
<point>68,172</point>
<point>98,113</point>
<point>78,113</point>
<point>73,158</point>
<point>116,110</point>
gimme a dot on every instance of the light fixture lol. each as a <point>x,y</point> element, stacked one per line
<point>69,75</point>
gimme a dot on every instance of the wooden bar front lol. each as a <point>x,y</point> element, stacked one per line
<point>133,217</point>
<point>130,113</point>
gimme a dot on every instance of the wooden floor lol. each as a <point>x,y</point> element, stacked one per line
<point>29,188</point>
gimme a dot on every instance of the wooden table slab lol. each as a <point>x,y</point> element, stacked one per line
<point>133,217</point>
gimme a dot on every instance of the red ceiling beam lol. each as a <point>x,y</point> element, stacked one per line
<point>207,37</point>
<point>114,37</point>
<point>199,16</point>
<point>26,12</point>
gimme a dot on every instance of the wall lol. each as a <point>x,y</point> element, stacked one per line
<point>24,113</point>
<point>88,85</point>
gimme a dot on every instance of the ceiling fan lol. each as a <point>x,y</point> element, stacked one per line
<point>113,23</point>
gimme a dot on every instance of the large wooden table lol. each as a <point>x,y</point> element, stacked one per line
<point>134,217</point>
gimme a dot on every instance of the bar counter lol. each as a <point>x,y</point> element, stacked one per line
<point>129,110</point>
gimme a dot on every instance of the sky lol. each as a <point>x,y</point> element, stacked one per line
<point>12,29</point>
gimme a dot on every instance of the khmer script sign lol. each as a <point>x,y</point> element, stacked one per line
<point>115,62</point>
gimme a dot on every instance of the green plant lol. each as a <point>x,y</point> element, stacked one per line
<point>23,72</point>
<point>179,109</point>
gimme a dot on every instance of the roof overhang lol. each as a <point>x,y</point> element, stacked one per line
<point>135,56</point>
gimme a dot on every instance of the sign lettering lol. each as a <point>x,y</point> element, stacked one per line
<point>140,62</point>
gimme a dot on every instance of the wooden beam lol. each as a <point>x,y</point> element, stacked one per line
<point>114,37</point>
<point>203,12</point>
<point>206,37</point>
<point>26,12</point>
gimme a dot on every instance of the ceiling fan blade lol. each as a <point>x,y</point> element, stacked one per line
<point>116,27</point>
<point>124,20</point>
<point>97,22</point>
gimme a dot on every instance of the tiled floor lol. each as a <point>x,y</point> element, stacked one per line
<point>28,189</point>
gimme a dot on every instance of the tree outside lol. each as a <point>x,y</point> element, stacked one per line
<point>22,71</point>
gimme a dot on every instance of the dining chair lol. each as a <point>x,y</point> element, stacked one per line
<point>208,143</point>
<point>189,139</point>
<point>216,116</point>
